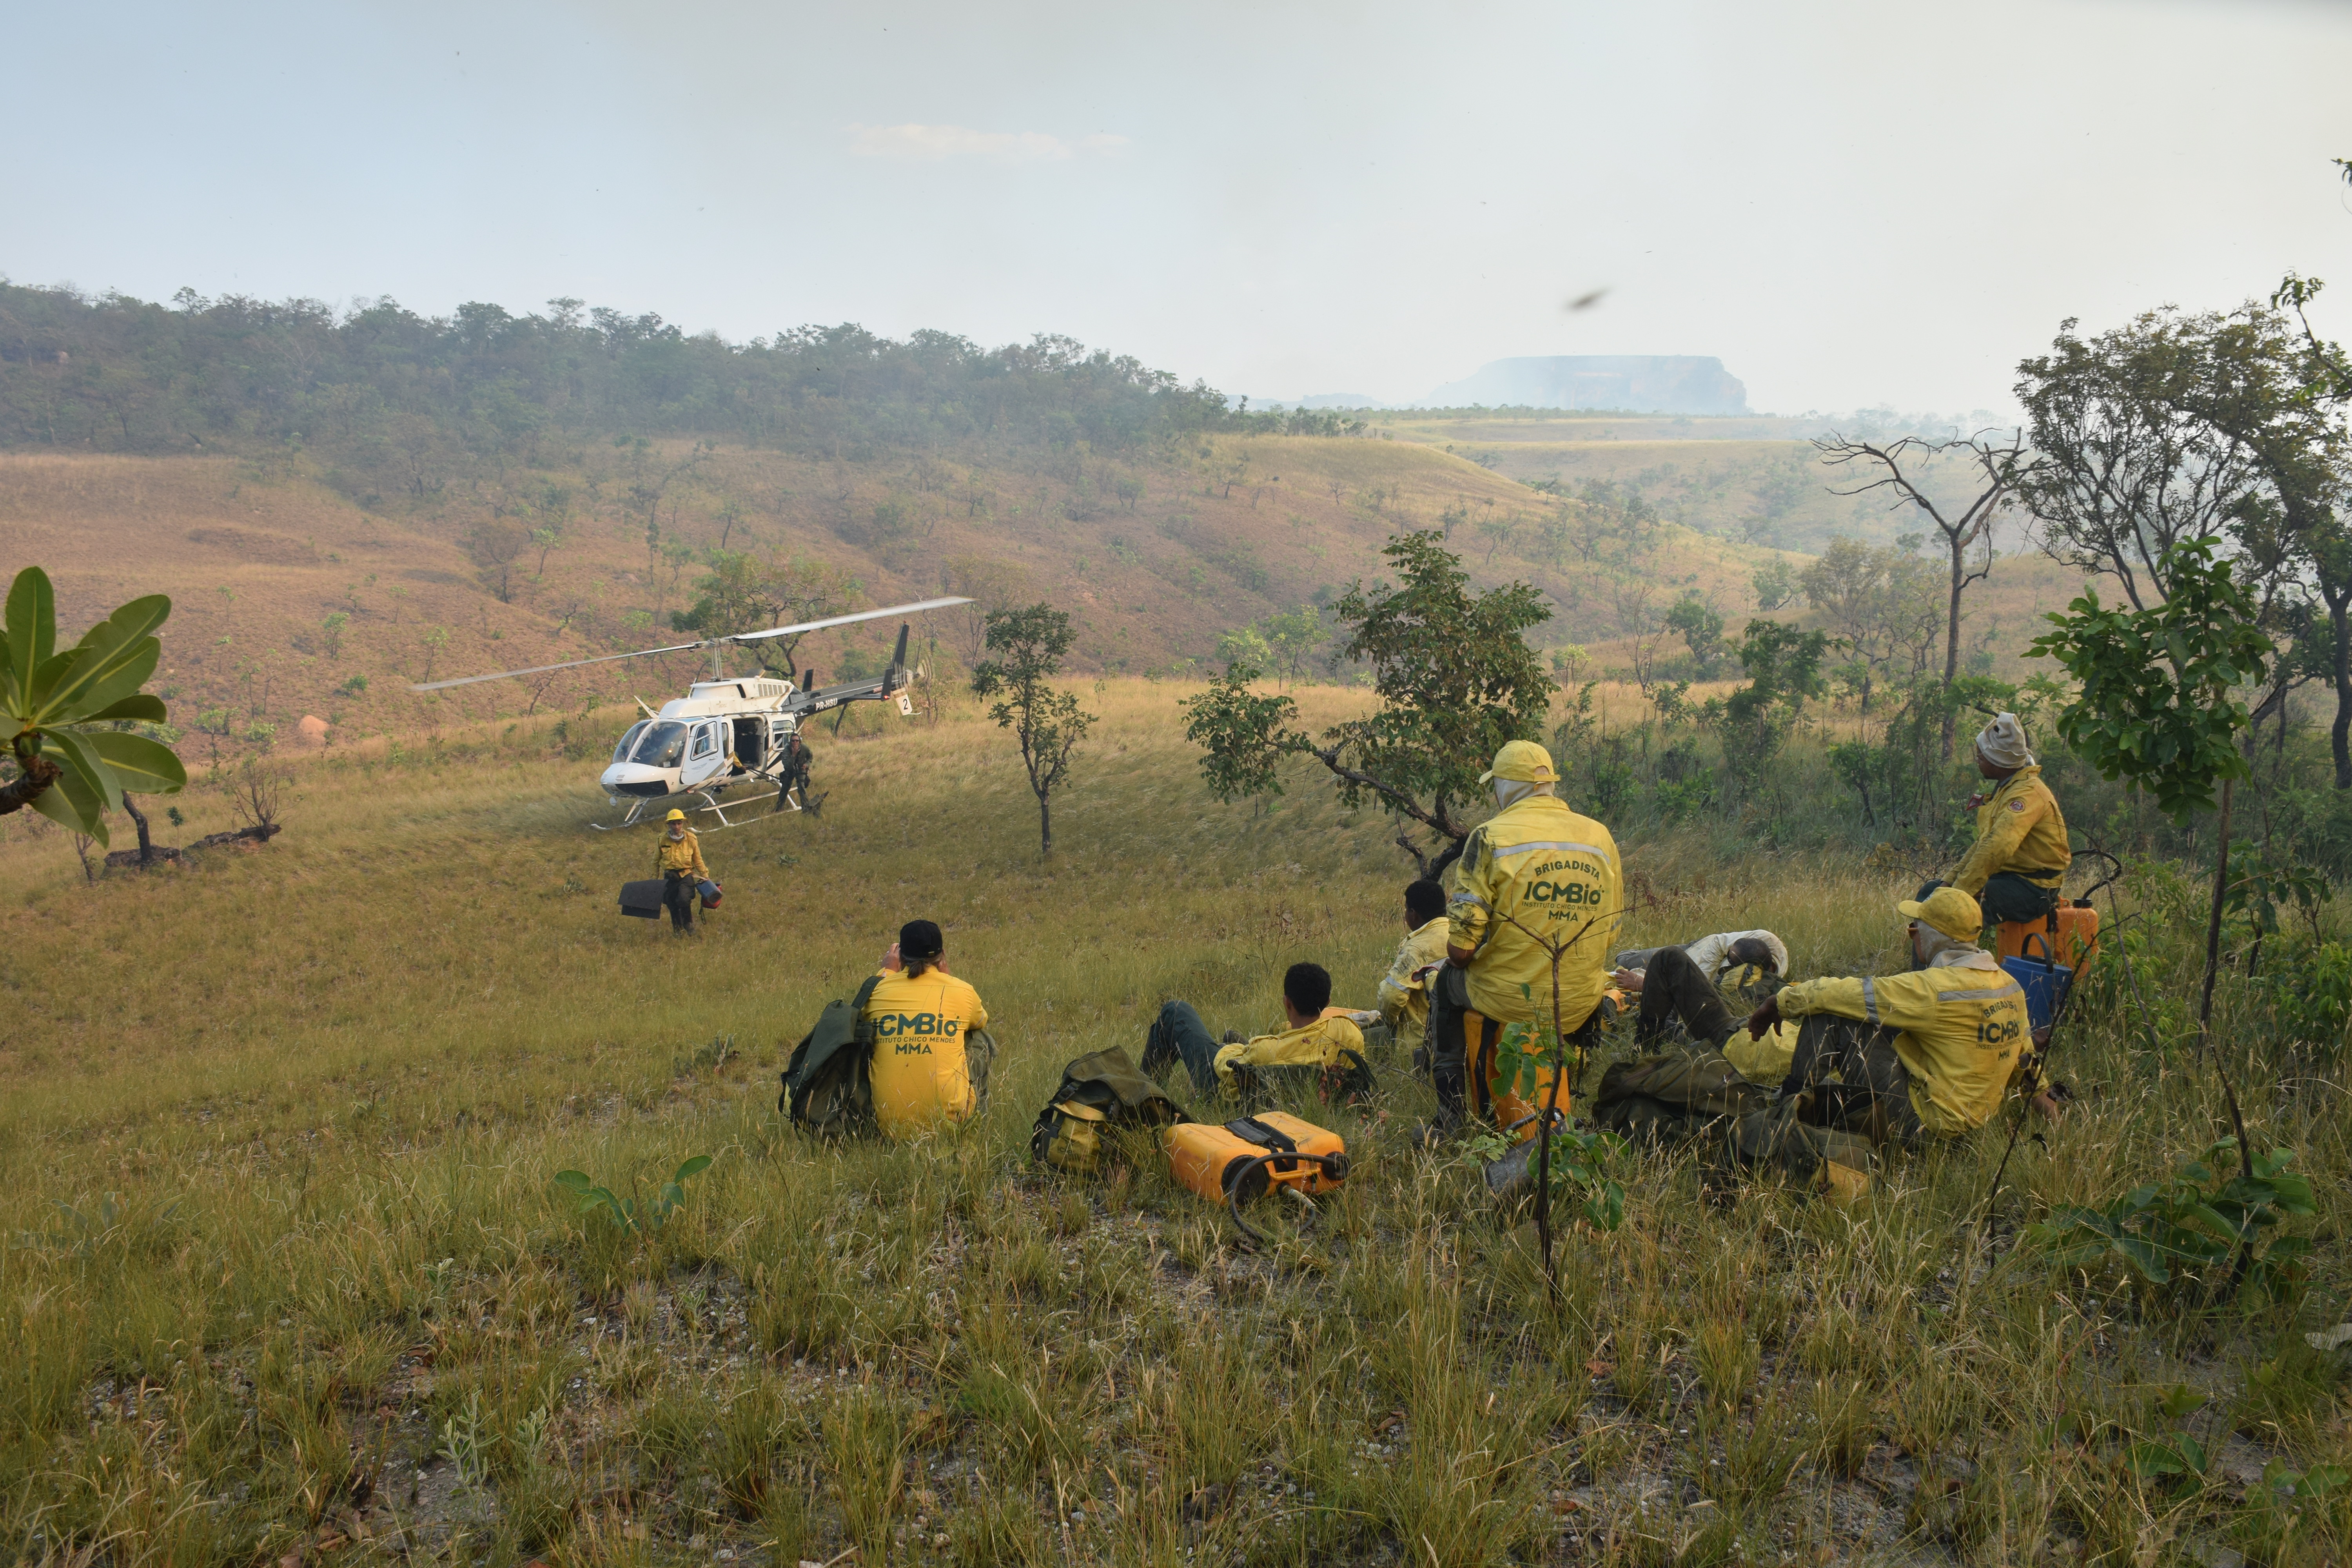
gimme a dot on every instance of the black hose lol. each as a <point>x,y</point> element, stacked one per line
<point>1235,1171</point>
<point>2103,881</point>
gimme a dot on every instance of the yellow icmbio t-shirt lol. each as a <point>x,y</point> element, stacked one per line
<point>918,1076</point>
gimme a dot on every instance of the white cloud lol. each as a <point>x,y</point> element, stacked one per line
<point>932,143</point>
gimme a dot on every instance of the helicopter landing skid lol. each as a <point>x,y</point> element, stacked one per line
<point>636,810</point>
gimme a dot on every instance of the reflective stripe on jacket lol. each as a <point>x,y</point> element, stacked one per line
<point>1557,874</point>
<point>1964,1031</point>
<point>2019,829</point>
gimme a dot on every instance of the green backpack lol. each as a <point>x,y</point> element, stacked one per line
<point>826,1088</point>
<point>1099,1095</point>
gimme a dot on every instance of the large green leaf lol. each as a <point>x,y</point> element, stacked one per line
<point>113,645</point>
<point>71,802</point>
<point>125,679</point>
<point>140,766</point>
<point>72,752</point>
<point>144,705</point>
<point>32,627</point>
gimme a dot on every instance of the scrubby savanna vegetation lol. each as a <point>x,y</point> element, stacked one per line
<point>381,1193</point>
<point>290,1274</point>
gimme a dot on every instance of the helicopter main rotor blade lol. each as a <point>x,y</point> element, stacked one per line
<point>685,646</point>
<point>543,668</point>
<point>846,620</point>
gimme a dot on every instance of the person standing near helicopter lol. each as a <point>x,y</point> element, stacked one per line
<point>679,856</point>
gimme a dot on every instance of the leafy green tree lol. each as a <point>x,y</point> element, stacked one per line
<point>66,769</point>
<point>1455,679</point>
<point>1247,646</point>
<point>2132,462</point>
<point>1291,639</point>
<point>743,594</point>
<point>2158,707</point>
<point>1027,647</point>
<point>1281,644</point>
<point>1776,586</point>
<point>1882,604</point>
<point>1702,630</point>
<point>1784,667</point>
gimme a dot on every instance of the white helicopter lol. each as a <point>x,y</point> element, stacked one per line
<point>727,731</point>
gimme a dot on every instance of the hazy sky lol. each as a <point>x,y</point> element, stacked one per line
<point>1849,204</point>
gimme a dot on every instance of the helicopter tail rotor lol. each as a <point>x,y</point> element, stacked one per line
<point>897,663</point>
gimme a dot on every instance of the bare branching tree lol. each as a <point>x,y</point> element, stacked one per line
<point>1900,468</point>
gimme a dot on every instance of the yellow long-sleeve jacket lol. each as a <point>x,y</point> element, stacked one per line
<point>684,855</point>
<point>2019,829</point>
<point>1557,874</point>
<point>1404,991</point>
<point>1318,1044</point>
<point>1963,1025</point>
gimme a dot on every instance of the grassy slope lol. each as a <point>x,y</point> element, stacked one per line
<point>302,1106</point>
<point>1220,535</point>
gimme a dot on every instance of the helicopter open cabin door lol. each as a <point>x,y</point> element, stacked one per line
<point>706,753</point>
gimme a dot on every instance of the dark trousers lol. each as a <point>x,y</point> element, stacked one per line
<point>2010,897</point>
<point>1873,1094</point>
<point>1674,991</point>
<point>678,898</point>
<point>1179,1036</point>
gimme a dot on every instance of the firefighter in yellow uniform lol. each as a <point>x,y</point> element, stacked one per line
<point>2014,869</point>
<point>1318,1033</point>
<point>1319,1038</point>
<point>1404,989</point>
<point>1534,877</point>
<point>931,1051</point>
<point>678,857</point>
<point>1925,1054</point>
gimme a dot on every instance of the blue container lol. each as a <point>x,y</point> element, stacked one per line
<point>2045,986</point>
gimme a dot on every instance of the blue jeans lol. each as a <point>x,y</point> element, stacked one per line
<point>1178,1034</point>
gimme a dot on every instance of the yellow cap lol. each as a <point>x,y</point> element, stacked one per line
<point>1948,909</point>
<point>1523,761</point>
<point>676,815</point>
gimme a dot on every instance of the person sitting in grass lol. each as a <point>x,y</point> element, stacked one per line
<point>1317,1035</point>
<point>1404,989</point>
<point>1919,1055</point>
<point>931,1048</point>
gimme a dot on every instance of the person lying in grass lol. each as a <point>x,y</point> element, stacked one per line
<point>1681,987</point>
<point>1317,1034</point>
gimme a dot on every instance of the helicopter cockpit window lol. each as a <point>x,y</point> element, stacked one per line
<point>706,738</point>
<point>663,745</point>
<point>621,752</point>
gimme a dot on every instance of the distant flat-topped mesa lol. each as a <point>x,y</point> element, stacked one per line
<point>1638,384</point>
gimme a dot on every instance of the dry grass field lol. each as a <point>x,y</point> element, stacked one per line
<point>287,1279</point>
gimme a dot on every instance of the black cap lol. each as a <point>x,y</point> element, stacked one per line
<point>921,938</point>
